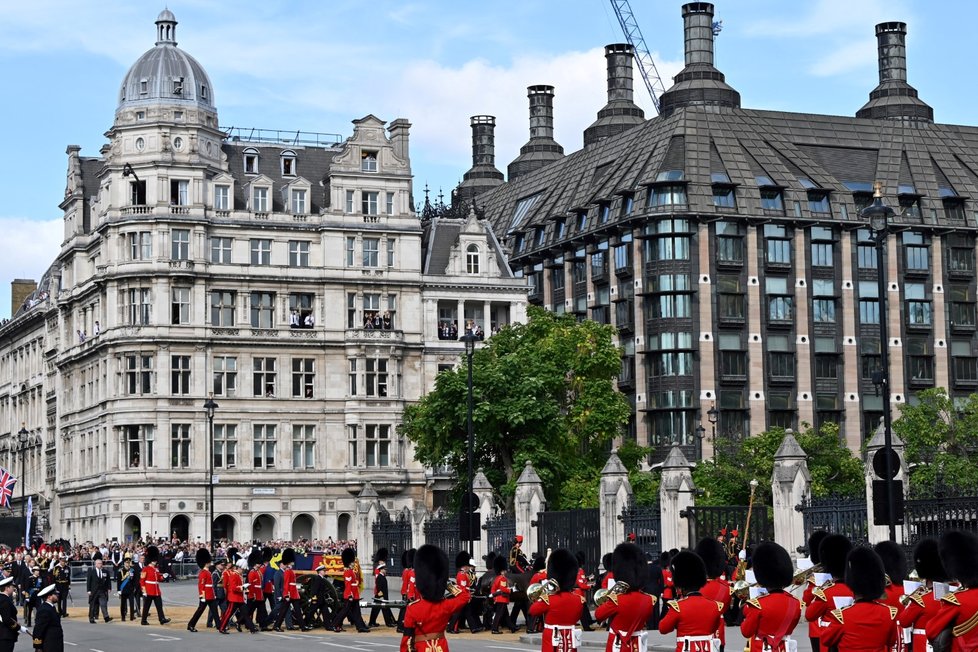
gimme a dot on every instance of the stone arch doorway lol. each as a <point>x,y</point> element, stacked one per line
<point>180,527</point>
<point>263,528</point>
<point>343,527</point>
<point>224,527</point>
<point>302,527</point>
<point>132,528</point>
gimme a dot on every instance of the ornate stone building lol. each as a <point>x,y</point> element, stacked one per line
<point>290,279</point>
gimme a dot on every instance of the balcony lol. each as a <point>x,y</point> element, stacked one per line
<point>375,334</point>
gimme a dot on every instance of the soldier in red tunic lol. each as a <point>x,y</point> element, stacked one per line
<point>205,589</point>
<point>895,566</point>
<point>559,611</point>
<point>465,578</point>
<point>351,595</point>
<point>814,541</point>
<point>921,605</point>
<point>833,551</point>
<point>149,582</point>
<point>770,618</point>
<point>499,593</point>
<point>694,618</point>
<point>235,589</point>
<point>957,618</point>
<point>255,591</point>
<point>627,608</point>
<point>717,587</point>
<point>426,618</point>
<point>407,584</point>
<point>534,625</point>
<point>868,624</point>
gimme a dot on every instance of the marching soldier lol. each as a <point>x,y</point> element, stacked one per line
<point>959,610</point>
<point>534,625</point>
<point>770,618</point>
<point>48,635</point>
<point>381,594</point>
<point>814,541</point>
<point>205,590</point>
<point>255,593</point>
<point>426,618</point>
<point>584,584</point>
<point>694,617</point>
<point>921,605</point>
<point>501,588</point>
<point>290,594</point>
<point>235,590</point>
<point>321,598</point>
<point>61,575</point>
<point>833,552</point>
<point>407,584</point>
<point>350,610</point>
<point>150,580</point>
<point>627,608</point>
<point>220,596</point>
<point>717,587</point>
<point>866,624</point>
<point>9,627</point>
<point>559,611</point>
<point>895,566</point>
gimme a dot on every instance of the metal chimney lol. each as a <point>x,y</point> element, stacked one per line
<point>483,174</point>
<point>541,149</point>
<point>620,113</point>
<point>894,98</point>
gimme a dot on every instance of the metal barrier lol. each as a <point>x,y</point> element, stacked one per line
<point>577,530</point>
<point>836,514</point>
<point>501,532</point>
<point>644,521</point>
<point>443,531</point>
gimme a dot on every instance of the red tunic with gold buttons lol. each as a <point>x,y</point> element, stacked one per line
<point>500,590</point>
<point>626,615</point>
<point>289,588</point>
<point>960,611</point>
<point>149,580</point>
<point>351,584</point>
<point>720,590</point>
<point>823,601</point>
<point>428,620</point>
<point>921,607</point>
<point>232,585</point>
<point>806,599</point>
<point>205,584</point>
<point>254,585</point>
<point>463,579</point>
<point>695,620</point>
<point>582,584</point>
<point>560,612</point>
<point>769,619</point>
<point>865,626</point>
<point>538,577</point>
<point>407,580</point>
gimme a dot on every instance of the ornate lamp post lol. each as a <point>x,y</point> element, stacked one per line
<point>209,407</point>
<point>713,415</point>
<point>469,339</point>
<point>22,437</point>
<point>700,434</point>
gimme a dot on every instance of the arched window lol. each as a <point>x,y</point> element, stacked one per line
<point>251,160</point>
<point>288,163</point>
<point>472,259</point>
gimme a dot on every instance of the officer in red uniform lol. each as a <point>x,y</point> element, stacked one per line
<point>408,593</point>
<point>770,618</point>
<point>814,541</point>
<point>149,581</point>
<point>465,578</point>
<point>714,557</point>
<point>426,618</point>
<point>958,615</point>
<point>868,624</point>
<point>235,589</point>
<point>584,584</point>
<point>627,608</point>
<point>694,617</point>
<point>833,552</point>
<point>534,625</point>
<point>255,592</point>
<point>350,608</point>
<point>205,589</point>
<point>895,567</point>
<point>559,611</point>
<point>668,589</point>
<point>290,593</point>
<point>921,605</point>
<point>499,593</point>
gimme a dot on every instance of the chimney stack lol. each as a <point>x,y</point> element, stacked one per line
<point>20,289</point>
<point>894,98</point>
<point>620,113</point>
<point>699,83</point>
<point>399,131</point>
<point>542,149</point>
<point>483,175</point>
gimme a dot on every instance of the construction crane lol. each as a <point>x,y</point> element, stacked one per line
<point>633,34</point>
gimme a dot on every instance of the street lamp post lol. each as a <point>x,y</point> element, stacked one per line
<point>713,415</point>
<point>209,407</point>
<point>22,437</point>
<point>879,216</point>
<point>469,339</point>
<point>700,434</point>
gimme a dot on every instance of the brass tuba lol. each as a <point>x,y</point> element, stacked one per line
<point>603,595</point>
<point>538,591</point>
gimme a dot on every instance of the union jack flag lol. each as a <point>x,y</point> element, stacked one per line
<point>7,483</point>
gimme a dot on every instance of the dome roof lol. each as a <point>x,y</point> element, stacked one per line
<point>166,73</point>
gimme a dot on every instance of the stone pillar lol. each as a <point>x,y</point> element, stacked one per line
<point>616,492</point>
<point>487,507</point>
<point>676,493</point>
<point>530,501</point>
<point>879,533</point>
<point>368,502</point>
<point>790,486</point>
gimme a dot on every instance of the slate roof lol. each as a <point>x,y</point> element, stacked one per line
<point>441,234</point>
<point>312,164</point>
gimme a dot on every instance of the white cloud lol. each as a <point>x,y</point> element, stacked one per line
<point>29,249</point>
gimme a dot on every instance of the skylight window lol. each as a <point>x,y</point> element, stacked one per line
<point>906,189</point>
<point>807,183</point>
<point>719,177</point>
<point>858,186</point>
<point>523,208</point>
<point>764,180</point>
<point>670,175</point>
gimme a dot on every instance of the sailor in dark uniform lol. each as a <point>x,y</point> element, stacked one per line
<point>9,627</point>
<point>48,635</point>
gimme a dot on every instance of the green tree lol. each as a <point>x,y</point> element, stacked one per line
<point>833,468</point>
<point>941,441</point>
<point>543,391</point>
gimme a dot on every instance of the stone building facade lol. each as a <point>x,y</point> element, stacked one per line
<point>289,278</point>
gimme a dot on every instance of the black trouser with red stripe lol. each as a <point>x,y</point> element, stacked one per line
<point>211,605</point>
<point>241,610</point>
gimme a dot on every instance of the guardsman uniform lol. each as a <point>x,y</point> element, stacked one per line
<point>235,590</point>
<point>499,592</point>
<point>407,584</point>
<point>833,551</point>
<point>425,619</point>
<point>714,556</point>
<point>693,617</point>
<point>351,594</point>
<point>48,635</point>
<point>290,593</point>
<point>814,542</point>
<point>206,599</point>
<point>769,619</point>
<point>465,578</point>
<point>9,627</point>
<point>560,611</point>
<point>61,575</point>
<point>583,586</point>
<point>255,593</point>
<point>627,612</point>
<point>959,610</point>
<point>149,581</point>
<point>895,564</point>
<point>867,624</point>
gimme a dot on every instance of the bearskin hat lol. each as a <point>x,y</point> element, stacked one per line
<point>581,558</point>
<point>203,557</point>
<point>288,556</point>
<point>499,564</point>
<point>814,542</point>
<point>463,559</point>
<point>267,554</point>
<point>959,552</point>
<point>832,553</point>
<point>927,561</point>
<point>894,561</point>
<point>688,571</point>
<point>349,555</point>
<point>562,568</point>
<point>539,563</point>
<point>254,558</point>
<point>407,558</point>
<point>232,554</point>
<point>772,566</point>
<point>865,576</point>
<point>152,553</point>
<point>431,572</point>
<point>628,565</point>
<point>381,554</point>
<point>490,560</point>
<point>713,555</point>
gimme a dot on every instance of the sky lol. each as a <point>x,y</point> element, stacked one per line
<point>316,65</point>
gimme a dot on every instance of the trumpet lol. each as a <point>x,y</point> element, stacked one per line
<point>741,589</point>
<point>603,595</point>
<point>452,588</point>
<point>802,576</point>
<point>541,590</point>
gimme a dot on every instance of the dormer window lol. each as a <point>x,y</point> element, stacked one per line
<point>472,259</point>
<point>178,86</point>
<point>368,161</point>
<point>203,92</point>
<point>288,163</point>
<point>143,86</point>
<point>604,212</point>
<point>251,161</point>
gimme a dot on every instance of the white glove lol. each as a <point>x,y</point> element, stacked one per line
<point>742,555</point>
<point>23,630</point>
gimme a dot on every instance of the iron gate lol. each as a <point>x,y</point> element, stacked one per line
<point>933,516</point>
<point>576,530</point>
<point>838,515</point>
<point>393,534</point>
<point>644,522</point>
<point>709,520</point>
<point>442,530</point>
<point>501,531</point>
